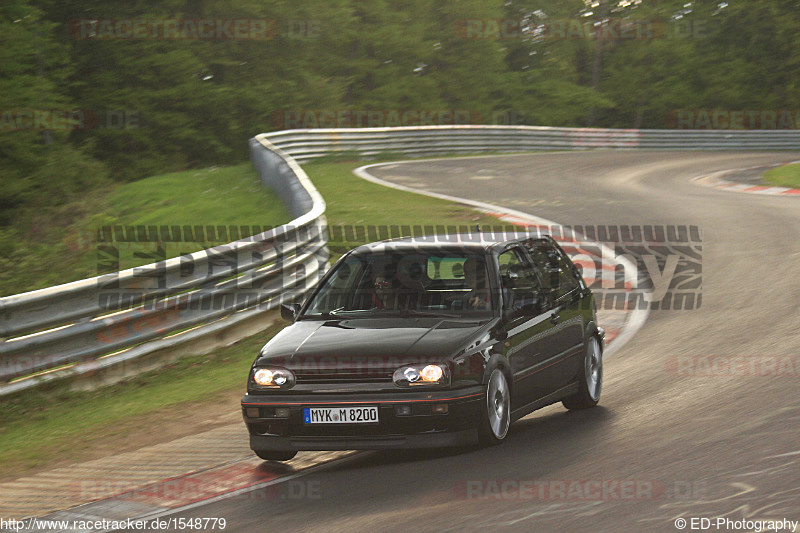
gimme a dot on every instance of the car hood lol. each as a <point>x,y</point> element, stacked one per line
<point>407,339</point>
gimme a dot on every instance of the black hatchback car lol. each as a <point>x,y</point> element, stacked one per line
<point>432,342</point>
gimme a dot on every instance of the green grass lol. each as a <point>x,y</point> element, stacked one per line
<point>38,427</point>
<point>785,176</point>
<point>215,196</point>
<point>229,196</point>
<point>354,202</point>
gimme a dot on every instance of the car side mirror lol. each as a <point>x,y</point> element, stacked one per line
<point>289,311</point>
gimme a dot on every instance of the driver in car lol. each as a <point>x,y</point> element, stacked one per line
<point>475,279</point>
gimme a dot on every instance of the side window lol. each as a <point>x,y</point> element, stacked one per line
<point>556,270</point>
<point>518,280</point>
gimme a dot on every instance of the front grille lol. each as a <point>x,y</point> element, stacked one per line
<point>343,377</point>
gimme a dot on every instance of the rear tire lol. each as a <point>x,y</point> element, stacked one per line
<point>276,455</point>
<point>591,383</point>
<point>496,410</point>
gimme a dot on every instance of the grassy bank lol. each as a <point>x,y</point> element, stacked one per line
<point>229,196</point>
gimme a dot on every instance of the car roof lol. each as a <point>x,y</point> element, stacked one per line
<point>474,242</point>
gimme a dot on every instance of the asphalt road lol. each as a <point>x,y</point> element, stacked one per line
<point>662,445</point>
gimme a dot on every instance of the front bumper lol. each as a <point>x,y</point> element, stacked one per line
<point>421,429</point>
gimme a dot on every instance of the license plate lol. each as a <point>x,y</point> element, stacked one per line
<point>340,415</point>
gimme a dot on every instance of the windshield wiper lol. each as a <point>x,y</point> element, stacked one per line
<point>323,316</point>
<point>336,313</point>
<point>381,313</point>
<point>434,314</point>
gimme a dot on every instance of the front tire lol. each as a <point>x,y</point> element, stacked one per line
<point>496,410</point>
<point>276,455</point>
<point>591,378</point>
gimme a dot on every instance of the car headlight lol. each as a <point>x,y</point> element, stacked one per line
<point>273,378</point>
<point>415,375</point>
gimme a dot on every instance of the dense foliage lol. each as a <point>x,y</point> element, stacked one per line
<point>159,104</point>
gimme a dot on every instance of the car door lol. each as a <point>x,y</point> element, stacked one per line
<point>564,298</point>
<point>531,344</point>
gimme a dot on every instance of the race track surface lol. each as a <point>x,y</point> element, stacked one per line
<point>663,444</point>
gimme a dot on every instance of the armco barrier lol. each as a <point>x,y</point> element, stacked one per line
<point>106,321</point>
<point>71,329</point>
<point>304,145</point>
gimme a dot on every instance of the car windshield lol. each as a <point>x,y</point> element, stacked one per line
<point>438,283</point>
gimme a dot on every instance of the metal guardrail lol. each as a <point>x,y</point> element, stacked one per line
<point>304,145</point>
<point>79,327</point>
